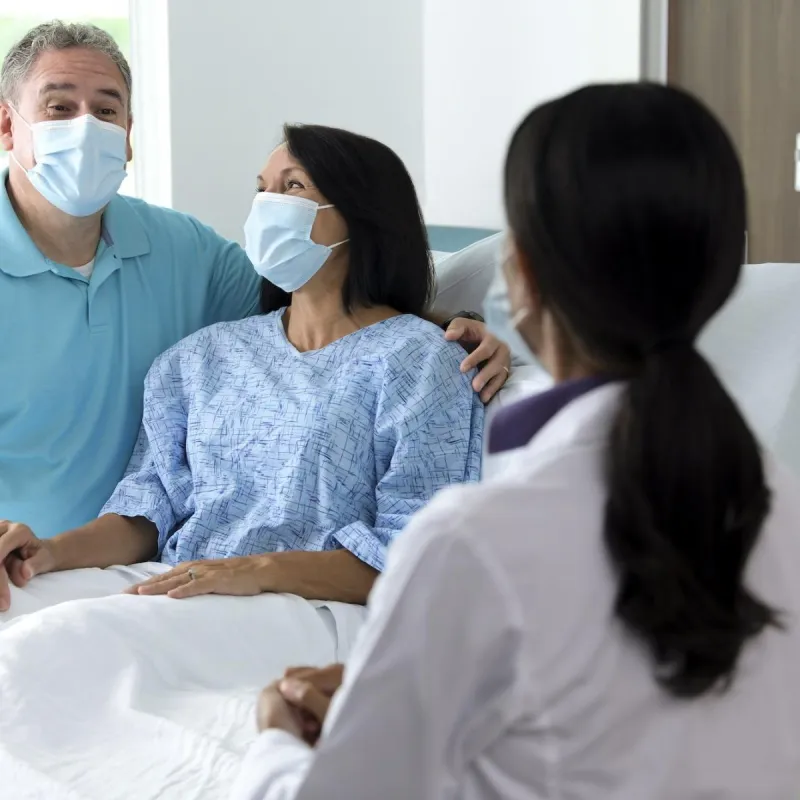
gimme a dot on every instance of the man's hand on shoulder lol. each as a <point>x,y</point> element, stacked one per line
<point>22,557</point>
<point>486,349</point>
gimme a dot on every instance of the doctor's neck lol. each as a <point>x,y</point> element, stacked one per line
<point>563,367</point>
<point>562,356</point>
<point>70,241</point>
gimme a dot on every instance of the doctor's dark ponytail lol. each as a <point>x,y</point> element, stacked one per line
<point>627,207</point>
<point>686,503</point>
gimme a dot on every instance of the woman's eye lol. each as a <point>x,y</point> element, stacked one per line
<point>294,184</point>
<point>107,112</point>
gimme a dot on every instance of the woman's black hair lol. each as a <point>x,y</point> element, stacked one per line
<point>390,262</point>
<point>627,204</point>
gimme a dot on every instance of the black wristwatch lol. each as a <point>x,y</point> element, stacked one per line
<point>473,315</point>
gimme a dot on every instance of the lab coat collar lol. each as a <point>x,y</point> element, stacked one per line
<point>515,425</point>
<point>584,421</point>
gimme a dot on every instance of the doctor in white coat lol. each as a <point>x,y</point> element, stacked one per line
<point>615,615</point>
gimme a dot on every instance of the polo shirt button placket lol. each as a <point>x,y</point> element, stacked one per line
<point>98,321</point>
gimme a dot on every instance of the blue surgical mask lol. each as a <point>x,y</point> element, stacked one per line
<point>80,162</point>
<point>278,239</point>
<point>502,323</point>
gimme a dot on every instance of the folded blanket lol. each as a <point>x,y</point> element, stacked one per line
<point>147,697</point>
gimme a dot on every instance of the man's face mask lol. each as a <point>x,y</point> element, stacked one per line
<point>80,162</point>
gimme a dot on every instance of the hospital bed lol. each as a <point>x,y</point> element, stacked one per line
<point>131,710</point>
<point>448,239</point>
<point>753,343</point>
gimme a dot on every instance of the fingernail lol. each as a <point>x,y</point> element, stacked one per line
<point>3,605</point>
<point>27,573</point>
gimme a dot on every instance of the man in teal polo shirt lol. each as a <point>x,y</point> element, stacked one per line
<point>93,285</point>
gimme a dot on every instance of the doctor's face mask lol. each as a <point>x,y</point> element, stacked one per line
<point>503,315</point>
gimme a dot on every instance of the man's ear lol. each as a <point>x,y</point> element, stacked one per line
<point>6,136</point>
<point>128,147</point>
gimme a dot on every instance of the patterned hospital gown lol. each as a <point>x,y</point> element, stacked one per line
<point>249,446</point>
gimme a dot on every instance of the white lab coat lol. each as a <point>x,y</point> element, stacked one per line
<point>492,665</point>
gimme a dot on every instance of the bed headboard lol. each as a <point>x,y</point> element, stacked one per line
<point>451,238</point>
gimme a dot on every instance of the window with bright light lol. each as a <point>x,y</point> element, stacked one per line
<point>17,17</point>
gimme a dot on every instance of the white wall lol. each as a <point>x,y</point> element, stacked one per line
<point>486,65</point>
<point>443,82</point>
<point>239,69</point>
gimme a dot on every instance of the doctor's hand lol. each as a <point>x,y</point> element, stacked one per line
<point>490,349</point>
<point>243,577</point>
<point>299,702</point>
<point>22,556</point>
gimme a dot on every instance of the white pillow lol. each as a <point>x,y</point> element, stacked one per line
<point>754,344</point>
<point>463,278</point>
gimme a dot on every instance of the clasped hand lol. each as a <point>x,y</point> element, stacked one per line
<point>298,703</point>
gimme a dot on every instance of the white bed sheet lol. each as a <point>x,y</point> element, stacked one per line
<point>121,697</point>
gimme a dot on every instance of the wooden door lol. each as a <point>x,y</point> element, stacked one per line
<point>742,57</point>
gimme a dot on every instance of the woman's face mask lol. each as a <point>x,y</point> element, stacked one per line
<point>278,231</point>
<point>278,239</point>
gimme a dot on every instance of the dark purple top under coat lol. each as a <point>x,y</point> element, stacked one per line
<point>515,425</point>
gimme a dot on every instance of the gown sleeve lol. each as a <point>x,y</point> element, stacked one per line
<point>158,482</point>
<point>428,435</point>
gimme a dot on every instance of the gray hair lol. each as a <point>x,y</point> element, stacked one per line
<point>56,35</point>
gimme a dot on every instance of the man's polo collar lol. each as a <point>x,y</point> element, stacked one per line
<point>123,230</point>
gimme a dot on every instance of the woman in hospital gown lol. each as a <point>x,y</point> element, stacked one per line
<point>616,615</point>
<point>279,457</point>
<point>284,452</point>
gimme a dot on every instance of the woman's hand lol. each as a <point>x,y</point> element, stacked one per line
<point>325,575</point>
<point>299,702</point>
<point>490,349</point>
<point>243,577</point>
